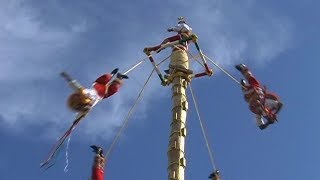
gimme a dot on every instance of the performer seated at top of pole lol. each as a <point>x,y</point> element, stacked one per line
<point>262,103</point>
<point>83,99</point>
<point>215,175</point>
<point>98,163</point>
<point>183,30</point>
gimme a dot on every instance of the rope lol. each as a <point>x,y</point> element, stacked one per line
<point>195,58</point>
<point>202,128</point>
<point>133,67</point>
<point>157,65</point>
<point>223,70</point>
<point>140,62</point>
<point>163,60</point>
<point>125,123</point>
<point>192,56</point>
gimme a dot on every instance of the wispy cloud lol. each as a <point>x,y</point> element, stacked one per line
<point>28,51</point>
<point>231,31</point>
<point>27,43</point>
<point>90,40</point>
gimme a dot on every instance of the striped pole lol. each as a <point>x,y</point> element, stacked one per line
<point>209,71</point>
<point>163,82</point>
<point>200,75</point>
<point>176,149</point>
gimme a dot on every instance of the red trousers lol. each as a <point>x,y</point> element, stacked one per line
<point>97,173</point>
<point>253,94</point>
<point>170,39</point>
<point>102,89</point>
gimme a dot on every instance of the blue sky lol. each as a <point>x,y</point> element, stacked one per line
<point>278,41</point>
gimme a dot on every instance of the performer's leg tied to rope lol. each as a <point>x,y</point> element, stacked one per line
<point>253,94</point>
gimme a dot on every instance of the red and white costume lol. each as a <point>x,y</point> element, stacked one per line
<point>253,94</point>
<point>182,29</point>
<point>261,103</point>
<point>98,168</point>
<point>102,88</point>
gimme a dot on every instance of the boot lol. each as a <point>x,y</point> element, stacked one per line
<point>97,150</point>
<point>167,71</point>
<point>261,124</point>
<point>243,82</point>
<point>215,175</point>
<point>241,67</point>
<point>115,71</point>
<point>122,76</point>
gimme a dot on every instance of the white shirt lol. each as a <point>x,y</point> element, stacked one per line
<point>182,28</point>
<point>93,95</point>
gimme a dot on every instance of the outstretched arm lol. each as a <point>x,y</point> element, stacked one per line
<point>276,99</point>
<point>279,107</point>
<point>75,85</point>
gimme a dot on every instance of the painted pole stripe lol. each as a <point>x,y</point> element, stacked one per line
<point>157,69</point>
<point>202,57</point>
<point>200,74</point>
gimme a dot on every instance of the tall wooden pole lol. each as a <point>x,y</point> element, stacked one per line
<point>179,78</point>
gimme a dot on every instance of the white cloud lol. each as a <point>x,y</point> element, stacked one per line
<point>33,96</point>
<point>231,32</point>
<point>27,64</point>
<point>28,44</point>
<point>108,116</point>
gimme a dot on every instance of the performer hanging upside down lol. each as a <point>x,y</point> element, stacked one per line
<point>183,30</point>
<point>83,99</point>
<point>98,163</point>
<point>262,103</point>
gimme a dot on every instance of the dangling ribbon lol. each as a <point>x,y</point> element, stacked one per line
<point>67,155</point>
